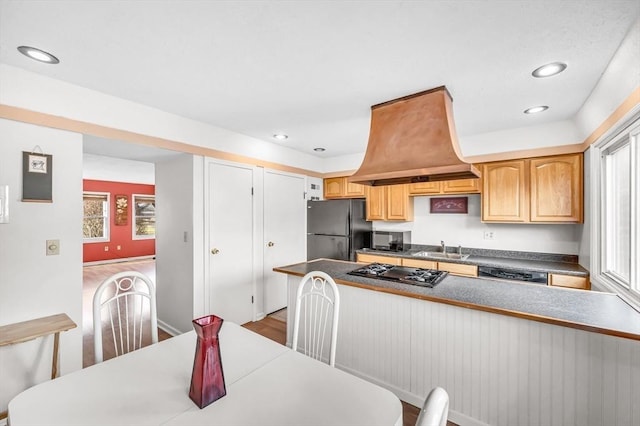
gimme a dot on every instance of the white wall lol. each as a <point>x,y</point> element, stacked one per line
<point>33,285</point>
<point>468,231</point>
<point>175,256</point>
<point>99,167</point>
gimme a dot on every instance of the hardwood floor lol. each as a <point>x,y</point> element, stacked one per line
<point>273,327</point>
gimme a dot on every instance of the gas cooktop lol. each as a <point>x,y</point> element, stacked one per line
<point>415,276</point>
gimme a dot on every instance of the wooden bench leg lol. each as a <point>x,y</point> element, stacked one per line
<point>54,366</point>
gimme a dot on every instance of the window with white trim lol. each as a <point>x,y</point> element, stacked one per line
<point>616,244</point>
<point>144,216</point>
<point>95,222</point>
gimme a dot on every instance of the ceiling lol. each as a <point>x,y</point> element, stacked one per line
<point>313,69</point>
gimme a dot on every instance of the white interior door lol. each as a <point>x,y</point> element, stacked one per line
<point>284,233</point>
<point>230,238</point>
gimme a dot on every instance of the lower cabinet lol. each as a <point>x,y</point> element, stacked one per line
<point>459,269</point>
<point>570,281</point>
<point>372,258</point>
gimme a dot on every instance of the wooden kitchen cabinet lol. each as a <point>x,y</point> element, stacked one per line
<point>536,190</point>
<point>340,187</point>
<point>419,263</point>
<point>504,191</point>
<point>556,188</point>
<point>372,258</point>
<point>459,269</point>
<point>460,186</point>
<point>424,188</point>
<point>390,202</point>
<point>571,281</point>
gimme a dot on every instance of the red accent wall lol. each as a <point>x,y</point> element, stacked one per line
<point>119,235</point>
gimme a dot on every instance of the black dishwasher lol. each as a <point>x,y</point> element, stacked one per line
<point>516,275</point>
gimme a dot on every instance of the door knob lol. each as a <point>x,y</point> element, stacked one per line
<point>270,244</point>
<point>215,251</point>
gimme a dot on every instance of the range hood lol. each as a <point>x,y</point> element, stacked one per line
<point>413,139</point>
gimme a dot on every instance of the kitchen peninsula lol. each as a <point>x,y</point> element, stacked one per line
<point>507,353</point>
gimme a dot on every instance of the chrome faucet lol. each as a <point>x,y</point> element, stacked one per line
<point>459,249</point>
<point>443,246</point>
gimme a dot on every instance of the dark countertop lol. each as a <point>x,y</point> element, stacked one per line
<point>532,262</point>
<point>593,311</point>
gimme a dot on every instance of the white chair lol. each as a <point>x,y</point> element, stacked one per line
<point>317,305</point>
<point>129,298</point>
<point>435,410</point>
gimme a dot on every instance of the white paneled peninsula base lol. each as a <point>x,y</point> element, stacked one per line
<point>499,366</point>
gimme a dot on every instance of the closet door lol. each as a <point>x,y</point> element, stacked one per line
<point>284,233</point>
<point>229,214</point>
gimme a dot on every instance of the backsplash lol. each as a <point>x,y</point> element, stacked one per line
<point>468,231</point>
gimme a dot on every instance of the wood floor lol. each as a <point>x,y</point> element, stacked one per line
<point>273,327</point>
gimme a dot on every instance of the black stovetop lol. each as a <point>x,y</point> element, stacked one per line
<point>415,276</point>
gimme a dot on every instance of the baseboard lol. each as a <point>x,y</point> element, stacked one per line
<point>413,399</point>
<point>260,316</point>
<point>169,329</point>
<point>119,260</point>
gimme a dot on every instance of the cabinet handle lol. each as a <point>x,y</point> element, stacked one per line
<point>215,251</point>
<point>270,244</point>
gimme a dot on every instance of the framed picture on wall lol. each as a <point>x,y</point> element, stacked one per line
<point>37,177</point>
<point>122,210</point>
<point>449,205</point>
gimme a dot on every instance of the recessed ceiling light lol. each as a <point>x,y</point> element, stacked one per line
<point>549,69</point>
<point>319,149</point>
<point>535,109</point>
<point>280,136</point>
<point>38,55</point>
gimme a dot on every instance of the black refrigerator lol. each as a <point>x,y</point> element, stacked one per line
<point>336,229</point>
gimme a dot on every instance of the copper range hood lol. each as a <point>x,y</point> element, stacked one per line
<point>413,139</point>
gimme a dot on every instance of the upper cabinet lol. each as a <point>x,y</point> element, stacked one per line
<point>504,192</point>
<point>339,187</point>
<point>389,203</point>
<point>461,186</point>
<point>537,190</point>
<point>556,189</point>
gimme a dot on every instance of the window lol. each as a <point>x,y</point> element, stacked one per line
<point>144,216</point>
<point>95,223</point>
<point>616,182</point>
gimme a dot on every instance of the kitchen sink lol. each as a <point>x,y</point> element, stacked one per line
<point>441,255</point>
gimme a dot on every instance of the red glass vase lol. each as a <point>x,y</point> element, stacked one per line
<point>207,378</point>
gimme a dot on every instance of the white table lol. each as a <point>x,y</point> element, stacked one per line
<point>267,384</point>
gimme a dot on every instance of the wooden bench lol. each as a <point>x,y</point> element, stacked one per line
<point>20,332</point>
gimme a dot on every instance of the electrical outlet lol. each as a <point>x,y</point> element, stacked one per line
<point>53,247</point>
<point>118,247</point>
<point>106,248</point>
<point>489,235</point>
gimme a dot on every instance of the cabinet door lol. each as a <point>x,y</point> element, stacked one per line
<point>354,190</point>
<point>424,188</point>
<point>376,202</point>
<point>334,187</point>
<point>399,205</point>
<point>419,263</point>
<point>372,258</point>
<point>459,269</point>
<point>461,186</point>
<point>569,281</point>
<point>504,192</point>
<point>556,189</point>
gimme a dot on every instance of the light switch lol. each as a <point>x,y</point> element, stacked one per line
<point>53,247</point>
<point>4,203</point>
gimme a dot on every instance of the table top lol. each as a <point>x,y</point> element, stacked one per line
<point>267,383</point>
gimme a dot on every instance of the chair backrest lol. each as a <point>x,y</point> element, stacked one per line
<point>317,304</point>
<point>129,301</point>
<point>435,410</point>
